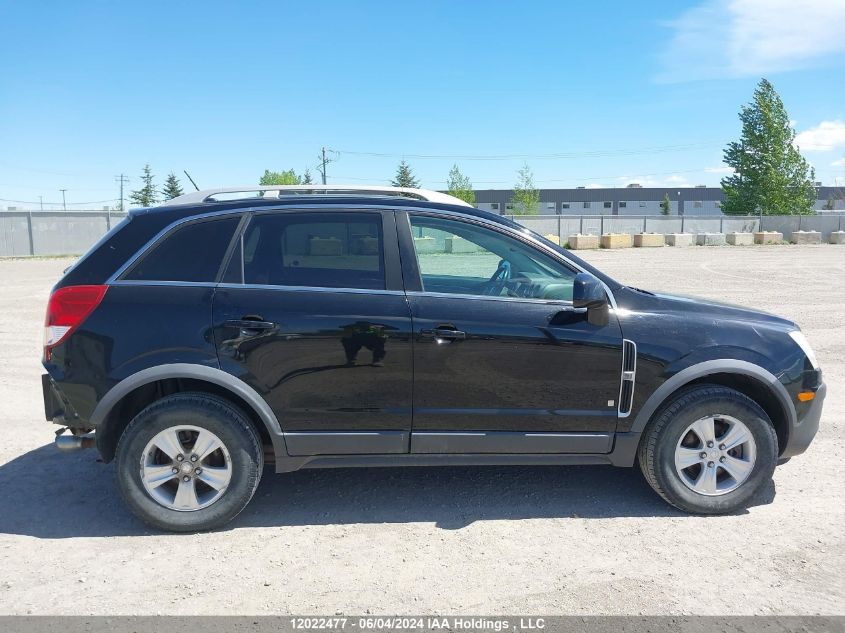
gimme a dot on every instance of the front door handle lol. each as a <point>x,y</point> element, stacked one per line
<point>443,334</point>
<point>250,326</point>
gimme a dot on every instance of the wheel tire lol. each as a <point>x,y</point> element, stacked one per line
<point>664,433</point>
<point>240,441</point>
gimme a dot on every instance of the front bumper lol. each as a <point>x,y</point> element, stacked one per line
<point>806,428</point>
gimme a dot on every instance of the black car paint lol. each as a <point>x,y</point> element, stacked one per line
<point>304,367</point>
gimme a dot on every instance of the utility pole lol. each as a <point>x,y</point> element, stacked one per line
<point>122,180</point>
<point>41,202</point>
<point>64,202</point>
<point>323,162</point>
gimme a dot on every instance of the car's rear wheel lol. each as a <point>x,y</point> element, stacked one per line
<point>189,462</point>
<point>709,451</point>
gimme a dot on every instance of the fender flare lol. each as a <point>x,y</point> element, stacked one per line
<point>200,372</point>
<point>717,366</point>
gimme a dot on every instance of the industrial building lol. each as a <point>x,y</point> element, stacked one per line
<point>632,200</point>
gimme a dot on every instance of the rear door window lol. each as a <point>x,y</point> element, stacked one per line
<point>320,250</point>
<point>190,253</point>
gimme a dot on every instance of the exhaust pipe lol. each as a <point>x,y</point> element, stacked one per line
<point>67,443</point>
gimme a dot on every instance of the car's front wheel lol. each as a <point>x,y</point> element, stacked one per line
<point>709,451</point>
<point>189,462</point>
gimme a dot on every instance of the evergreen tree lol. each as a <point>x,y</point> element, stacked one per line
<point>665,205</point>
<point>770,175</point>
<point>526,197</point>
<point>172,188</point>
<point>830,204</point>
<point>405,177</point>
<point>288,177</point>
<point>460,186</point>
<point>306,177</point>
<point>147,195</point>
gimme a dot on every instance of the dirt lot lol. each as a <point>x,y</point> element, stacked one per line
<point>458,540</point>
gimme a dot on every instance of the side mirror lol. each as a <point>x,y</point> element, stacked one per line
<point>588,292</point>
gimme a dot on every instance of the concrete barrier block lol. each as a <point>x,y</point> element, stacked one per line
<point>553,238</point>
<point>679,239</point>
<point>806,237</point>
<point>837,237</point>
<point>710,239</point>
<point>768,237</point>
<point>325,246</point>
<point>616,240</point>
<point>643,240</point>
<point>425,244</point>
<point>580,242</point>
<point>740,239</point>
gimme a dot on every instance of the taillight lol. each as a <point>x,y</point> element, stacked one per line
<point>67,309</point>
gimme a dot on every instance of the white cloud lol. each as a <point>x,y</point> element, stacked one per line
<point>838,163</point>
<point>825,137</point>
<point>741,38</point>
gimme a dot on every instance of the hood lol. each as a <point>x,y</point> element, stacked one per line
<point>704,308</point>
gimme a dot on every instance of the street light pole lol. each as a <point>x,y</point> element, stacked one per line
<point>64,202</point>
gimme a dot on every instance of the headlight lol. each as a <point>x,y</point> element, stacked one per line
<point>798,337</point>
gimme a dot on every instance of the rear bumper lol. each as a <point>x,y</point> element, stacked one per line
<point>806,428</point>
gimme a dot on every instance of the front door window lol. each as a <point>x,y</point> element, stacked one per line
<point>463,258</point>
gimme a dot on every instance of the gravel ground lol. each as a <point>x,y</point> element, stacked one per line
<point>573,540</point>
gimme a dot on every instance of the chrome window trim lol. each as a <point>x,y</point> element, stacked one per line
<point>362,291</point>
<point>559,303</point>
<point>260,210</point>
<point>155,282</point>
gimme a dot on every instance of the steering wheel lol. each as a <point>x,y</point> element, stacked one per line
<point>502,275</point>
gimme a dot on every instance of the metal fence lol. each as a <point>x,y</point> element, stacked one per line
<point>45,233</point>
<point>25,233</point>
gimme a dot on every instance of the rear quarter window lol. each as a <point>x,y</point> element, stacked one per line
<point>190,253</point>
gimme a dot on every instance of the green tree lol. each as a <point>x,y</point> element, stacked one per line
<point>288,177</point>
<point>172,188</point>
<point>306,178</point>
<point>405,177</point>
<point>526,197</point>
<point>147,195</point>
<point>460,185</point>
<point>830,204</point>
<point>770,175</point>
<point>665,205</point>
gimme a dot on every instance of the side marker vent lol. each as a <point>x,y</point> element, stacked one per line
<point>629,376</point>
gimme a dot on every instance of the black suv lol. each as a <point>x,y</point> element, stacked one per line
<point>331,329</point>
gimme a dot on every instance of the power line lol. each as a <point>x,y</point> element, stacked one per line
<point>658,149</point>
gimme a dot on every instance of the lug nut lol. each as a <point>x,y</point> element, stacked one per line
<point>198,471</point>
<point>180,457</point>
<point>721,447</point>
<point>175,470</point>
<point>702,455</point>
<point>723,459</point>
<point>193,458</point>
<point>709,444</point>
<point>186,479</point>
<point>710,464</point>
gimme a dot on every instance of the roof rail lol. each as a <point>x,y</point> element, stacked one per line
<point>277,191</point>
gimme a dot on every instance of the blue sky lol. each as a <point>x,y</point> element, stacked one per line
<point>593,94</point>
